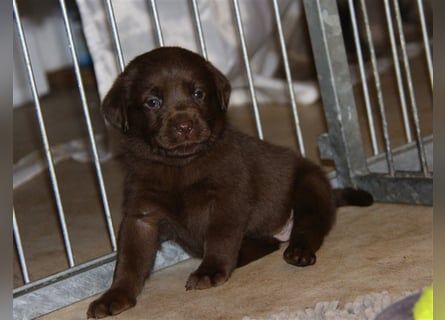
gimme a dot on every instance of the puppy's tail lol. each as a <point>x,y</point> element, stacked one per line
<point>352,197</point>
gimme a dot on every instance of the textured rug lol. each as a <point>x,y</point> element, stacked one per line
<point>366,307</point>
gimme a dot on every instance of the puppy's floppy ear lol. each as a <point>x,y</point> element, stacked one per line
<point>114,106</point>
<point>223,87</point>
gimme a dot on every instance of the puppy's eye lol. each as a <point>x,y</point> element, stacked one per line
<point>199,94</point>
<point>152,103</point>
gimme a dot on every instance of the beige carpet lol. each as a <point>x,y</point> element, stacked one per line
<point>385,247</point>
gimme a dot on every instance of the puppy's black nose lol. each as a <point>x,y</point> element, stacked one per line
<point>184,128</point>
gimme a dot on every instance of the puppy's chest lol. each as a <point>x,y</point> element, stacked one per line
<point>185,199</point>
<point>195,200</point>
<point>171,178</point>
<point>189,213</point>
<point>186,193</point>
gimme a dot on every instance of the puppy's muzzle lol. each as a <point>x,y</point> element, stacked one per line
<point>183,133</point>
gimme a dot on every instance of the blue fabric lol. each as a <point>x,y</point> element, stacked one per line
<point>400,310</point>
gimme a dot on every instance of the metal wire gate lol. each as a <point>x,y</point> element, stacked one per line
<point>344,143</point>
<point>383,172</point>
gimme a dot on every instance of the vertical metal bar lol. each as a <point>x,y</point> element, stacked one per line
<point>41,122</point>
<point>344,139</point>
<point>426,41</point>
<point>90,129</point>
<point>158,30</point>
<point>289,78</point>
<point>364,82</point>
<point>395,56</point>
<point>115,33</point>
<point>409,80</point>
<point>239,24</point>
<point>388,148</point>
<point>18,243</point>
<point>198,25</point>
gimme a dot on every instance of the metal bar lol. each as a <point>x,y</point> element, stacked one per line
<point>18,243</point>
<point>406,157</point>
<point>62,289</point>
<point>245,53</point>
<point>41,122</point>
<point>72,285</point>
<point>344,140</point>
<point>65,274</point>
<point>395,56</point>
<point>198,25</point>
<point>426,41</point>
<point>157,24</point>
<point>289,78</point>
<point>364,82</point>
<point>388,148</point>
<point>409,80</point>
<point>115,33</point>
<point>86,113</point>
<point>398,189</point>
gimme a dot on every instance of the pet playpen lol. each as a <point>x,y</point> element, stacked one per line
<point>344,46</point>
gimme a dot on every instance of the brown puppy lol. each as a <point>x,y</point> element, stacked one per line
<point>192,178</point>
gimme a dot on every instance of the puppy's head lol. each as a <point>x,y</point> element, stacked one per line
<point>171,99</point>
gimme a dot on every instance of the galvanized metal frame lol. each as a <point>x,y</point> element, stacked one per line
<point>87,118</point>
<point>378,87</point>
<point>36,298</point>
<point>245,53</point>
<point>364,84</point>
<point>412,97</point>
<point>426,42</point>
<point>342,143</point>
<point>43,133</point>
<point>290,86</point>
<point>398,71</point>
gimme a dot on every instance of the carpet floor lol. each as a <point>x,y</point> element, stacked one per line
<point>382,248</point>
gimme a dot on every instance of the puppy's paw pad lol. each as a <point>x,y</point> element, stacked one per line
<point>299,257</point>
<point>111,303</point>
<point>204,280</point>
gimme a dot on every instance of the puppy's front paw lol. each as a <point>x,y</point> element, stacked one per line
<point>299,256</point>
<point>112,302</point>
<point>206,279</point>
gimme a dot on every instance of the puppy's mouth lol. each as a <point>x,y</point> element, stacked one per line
<point>183,136</point>
<point>173,145</point>
<point>184,149</point>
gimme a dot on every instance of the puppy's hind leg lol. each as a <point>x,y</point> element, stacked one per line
<point>314,214</point>
<point>255,248</point>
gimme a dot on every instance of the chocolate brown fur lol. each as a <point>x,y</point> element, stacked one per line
<point>194,179</point>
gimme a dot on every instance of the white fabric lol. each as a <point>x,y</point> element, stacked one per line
<point>137,35</point>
